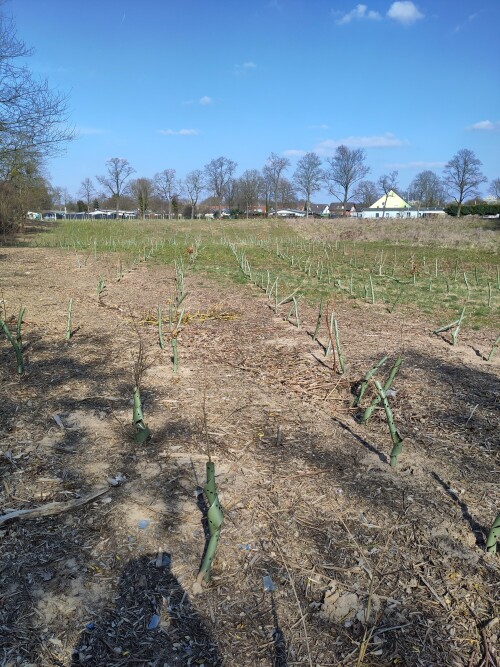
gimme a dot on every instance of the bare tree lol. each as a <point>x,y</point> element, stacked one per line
<point>287,193</point>
<point>217,174</point>
<point>494,188</point>
<point>249,188</point>
<point>32,123</point>
<point>427,189</point>
<point>266,188</point>
<point>119,170</point>
<point>230,193</point>
<point>462,176</point>
<point>141,190</point>
<point>167,187</point>
<point>194,186</point>
<point>347,167</point>
<point>388,182</point>
<point>87,190</point>
<point>308,177</point>
<point>273,170</point>
<point>365,193</point>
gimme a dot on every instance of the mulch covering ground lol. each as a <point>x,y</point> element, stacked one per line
<point>327,556</point>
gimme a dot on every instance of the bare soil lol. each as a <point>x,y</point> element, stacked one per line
<point>370,564</point>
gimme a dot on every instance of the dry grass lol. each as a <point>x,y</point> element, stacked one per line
<point>472,232</point>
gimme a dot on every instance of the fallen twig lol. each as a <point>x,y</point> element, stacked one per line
<point>52,508</point>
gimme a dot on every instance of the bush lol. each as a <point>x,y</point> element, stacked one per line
<point>474,209</point>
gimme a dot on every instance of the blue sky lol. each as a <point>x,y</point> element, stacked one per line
<point>172,84</point>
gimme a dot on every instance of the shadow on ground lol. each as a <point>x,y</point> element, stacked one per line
<point>153,622</point>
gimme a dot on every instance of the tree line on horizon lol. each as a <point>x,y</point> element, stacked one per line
<point>343,176</point>
<point>33,128</point>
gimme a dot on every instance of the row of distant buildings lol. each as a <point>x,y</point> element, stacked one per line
<point>388,206</point>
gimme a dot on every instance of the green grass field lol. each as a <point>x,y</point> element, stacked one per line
<point>432,267</point>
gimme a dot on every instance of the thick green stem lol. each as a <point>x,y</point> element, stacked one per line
<point>215,518</point>
<point>68,323</point>
<point>493,536</point>
<point>337,343</point>
<point>17,348</point>
<point>160,329</point>
<point>320,315</point>
<point>397,440</point>
<point>175,355</point>
<point>330,329</point>
<point>454,334</point>
<point>493,349</point>
<point>19,338</point>
<point>142,431</point>
<point>371,289</point>
<point>446,327</point>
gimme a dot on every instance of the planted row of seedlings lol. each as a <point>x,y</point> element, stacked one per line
<point>390,289</point>
<point>382,391</point>
<point>215,514</point>
<point>359,280</point>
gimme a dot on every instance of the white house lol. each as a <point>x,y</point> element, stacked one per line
<point>392,205</point>
<point>322,210</point>
<point>290,213</point>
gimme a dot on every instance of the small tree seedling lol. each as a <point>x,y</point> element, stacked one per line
<point>68,321</point>
<point>397,440</point>
<point>215,518</point>
<point>17,342</point>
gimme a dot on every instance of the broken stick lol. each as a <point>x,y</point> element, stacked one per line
<point>52,508</point>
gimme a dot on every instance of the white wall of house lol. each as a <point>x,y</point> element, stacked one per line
<point>401,213</point>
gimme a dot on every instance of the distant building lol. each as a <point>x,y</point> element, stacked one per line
<point>394,206</point>
<point>352,210</point>
<point>289,213</point>
<point>319,210</point>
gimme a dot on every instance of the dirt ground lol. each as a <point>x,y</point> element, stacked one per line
<point>369,564</point>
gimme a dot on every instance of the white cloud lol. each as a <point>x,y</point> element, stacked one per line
<point>179,133</point>
<point>418,164</point>
<point>294,152</point>
<point>387,140</point>
<point>205,100</point>
<point>359,12</point>
<point>245,68</point>
<point>405,12</point>
<point>322,126</point>
<point>486,125</point>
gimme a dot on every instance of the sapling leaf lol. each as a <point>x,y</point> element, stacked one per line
<point>369,374</point>
<point>369,410</point>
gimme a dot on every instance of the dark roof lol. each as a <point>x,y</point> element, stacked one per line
<point>339,206</point>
